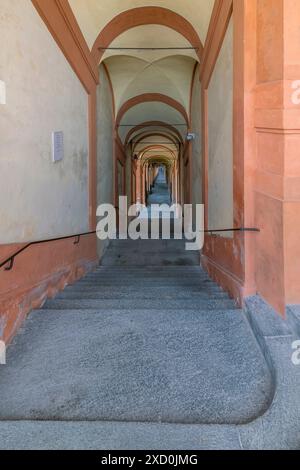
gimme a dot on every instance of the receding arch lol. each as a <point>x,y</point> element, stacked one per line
<point>144,16</point>
<point>147,124</point>
<point>159,147</point>
<point>148,98</point>
<point>141,137</point>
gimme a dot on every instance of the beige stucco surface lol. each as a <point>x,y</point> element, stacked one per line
<point>157,37</point>
<point>93,15</point>
<point>104,146</point>
<point>220,137</point>
<point>39,199</point>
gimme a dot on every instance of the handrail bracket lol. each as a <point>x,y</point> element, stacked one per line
<point>11,264</point>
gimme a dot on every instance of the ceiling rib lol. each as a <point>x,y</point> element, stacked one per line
<point>149,125</point>
<point>192,48</point>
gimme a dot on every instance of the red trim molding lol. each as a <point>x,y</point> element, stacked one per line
<point>110,87</point>
<point>42,270</point>
<point>152,147</point>
<point>225,278</point>
<point>225,259</point>
<point>62,24</point>
<point>192,89</point>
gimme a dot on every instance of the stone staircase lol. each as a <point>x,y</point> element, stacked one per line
<point>160,192</point>
<point>140,353</point>
<point>128,343</point>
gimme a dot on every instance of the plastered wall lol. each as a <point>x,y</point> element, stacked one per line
<point>220,138</point>
<point>105,153</point>
<point>197,143</point>
<point>39,199</point>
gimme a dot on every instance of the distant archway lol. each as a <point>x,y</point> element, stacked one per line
<point>148,124</point>
<point>148,98</point>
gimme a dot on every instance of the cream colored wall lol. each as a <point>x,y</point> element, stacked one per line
<point>197,143</point>
<point>155,37</point>
<point>39,199</point>
<point>170,76</point>
<point>105,168</point>
<point>220,130</point>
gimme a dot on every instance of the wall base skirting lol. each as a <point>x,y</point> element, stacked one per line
<point>231,284</point>
<point>39,273</point>
<point>18,304</point>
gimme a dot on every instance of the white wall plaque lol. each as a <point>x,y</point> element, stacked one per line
<point>57,146</point>
<point>2,92</point>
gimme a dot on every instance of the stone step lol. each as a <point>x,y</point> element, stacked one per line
<point>145,277</point>
<point>179,282</point>
<point>122,294</point>
<point>148,244</point>
<point>156,269</point>
<point>118,295</point>
<point>154,260</point>
<point>154,289</point>
<point>140,303</point>
<point>166,366</point>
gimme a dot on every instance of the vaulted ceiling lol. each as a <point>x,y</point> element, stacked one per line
<point>150,54</point>
<point>93,15</point>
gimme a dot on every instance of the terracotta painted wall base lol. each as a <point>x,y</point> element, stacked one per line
<point>231,284</point>
<point>39,273</point>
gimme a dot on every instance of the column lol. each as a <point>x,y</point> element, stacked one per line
<point>277,123</point>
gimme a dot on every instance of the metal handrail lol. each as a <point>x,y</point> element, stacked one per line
<point>77,237</point>
<point>11,258</point>
<point>240,229</point>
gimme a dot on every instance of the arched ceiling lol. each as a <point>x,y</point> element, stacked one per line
<point>169,76</point>
<point>157,37</point>
<point>151,111</point>
<point>156,141</point>
<point>93,15</point>
<point>152,49</point>
<point>153,127</point>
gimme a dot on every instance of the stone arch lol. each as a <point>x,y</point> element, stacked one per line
<point>144,16</point>
<point>151,97</point>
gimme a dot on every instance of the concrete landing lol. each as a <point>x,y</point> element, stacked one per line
<point>180,366</point>
<point>278,428</point>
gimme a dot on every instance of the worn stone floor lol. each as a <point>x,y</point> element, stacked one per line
<point>148,353</point>
<point>184,365</point>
